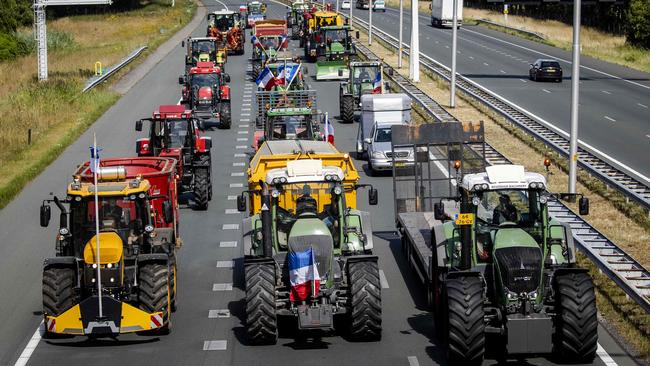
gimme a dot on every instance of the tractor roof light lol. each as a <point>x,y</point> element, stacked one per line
<point>547,162</point>
<point>457,164</point>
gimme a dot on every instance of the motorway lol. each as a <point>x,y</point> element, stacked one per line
<point>208,326</point>
<point>614,100</point>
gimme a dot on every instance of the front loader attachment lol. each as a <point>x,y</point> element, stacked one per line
<point>329,70</point>
<point>118,317</point>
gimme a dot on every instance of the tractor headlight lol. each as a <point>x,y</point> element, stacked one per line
<point>338,190</point>
<point>148,229</point>
<point>512,296</point>
<point>110,265</point>
<point>275,193</point>
<point>94,265</point>
<point>476,201</point>
<point>543,199</point>
<point>532,295</point>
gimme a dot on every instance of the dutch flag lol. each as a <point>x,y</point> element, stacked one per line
<point>376,85</point>
<point>266,80</point>
<point>303,275</point>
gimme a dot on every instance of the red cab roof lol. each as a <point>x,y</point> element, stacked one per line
<point>172,111</point>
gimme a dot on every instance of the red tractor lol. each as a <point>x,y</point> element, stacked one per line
<point>207,93</point>
<point>174,132</point>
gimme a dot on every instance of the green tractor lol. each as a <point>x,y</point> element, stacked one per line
<point>307,249</point>
<point>500,272</point>
<point>365,77</point>
<point>331,47</point>
<point>295,18</point>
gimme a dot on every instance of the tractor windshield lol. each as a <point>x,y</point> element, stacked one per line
<point>255,8</point>
<point>364,74</point>
<point>171,133</point>
<point>207,47</point>
<point>270,42</point>
<point>336,35</point>
<point>127,216</point>
<point>224,22</point>
<point>201,80</point>
<point>291,128</point>
<point>307,197</point>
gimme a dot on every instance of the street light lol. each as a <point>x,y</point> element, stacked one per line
<point>401,25</point>
<point>414,65</point>
<point>454,38</point>
<point>575,90</point>
<point>369,22</point>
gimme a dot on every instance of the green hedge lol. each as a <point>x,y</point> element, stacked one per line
<point>638,32</point>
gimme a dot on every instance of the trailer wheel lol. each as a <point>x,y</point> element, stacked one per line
<point>347,109</point>
<point>58,290</point>
<point>201,193</point>
<point>155,293</point>
<point>225,115</point>
<point>261,318</point>
<point>576,336</point>
<point>464,321</point>
<point>257,68</point>
<point>173,280</point>
<point>365,301</point>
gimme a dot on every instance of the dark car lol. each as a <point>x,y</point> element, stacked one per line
<point>545,70</point>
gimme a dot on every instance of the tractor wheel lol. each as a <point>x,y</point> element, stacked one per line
<point>347,109</point>
<point>464,321</point>
<point>576,323</point>
<point>261,318</point>
<point>257,68</point>
<point>224,113</point>
<point>155,293</point>
<point>201,193</point>
<point>58,292</point>
<point>365,301</point>
<point>173,280</point>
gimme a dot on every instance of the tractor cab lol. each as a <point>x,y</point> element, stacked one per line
<point>225,26</point>
<point>290,124</point>
<point>296,18</point>
<point>365,77</point>
<point>255,11</point>
<point>204,49</point>
<point>206,91</point>
<point>222,21</point>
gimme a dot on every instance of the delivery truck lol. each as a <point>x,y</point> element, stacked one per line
<point>442,13</point>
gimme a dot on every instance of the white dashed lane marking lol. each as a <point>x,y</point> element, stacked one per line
<point>610,119</point>
<point>228,244</point>
<point>219,313</point>
<point>231,211</point>
<point>546,91</point>
<point>225,264</point>
<point>242,139</point>
<point>413,361</point>
<point>215,345</point>
<point>240,155</point>
<point>606,92</point>
<point>642,105</point>
<point>230,227</point>
<point>237,174</point>
<point>222,287</point>
<point>382,279</point>
<point>236,185</point>
<point>238,164</point>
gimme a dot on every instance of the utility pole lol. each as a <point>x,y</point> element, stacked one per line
<point>454,38</point>
<point>575,92</point>
<point>350,16</point>
<point>41,28</point>
<point>369,22</point>
<point>401,26</point>
<point>414,64</point>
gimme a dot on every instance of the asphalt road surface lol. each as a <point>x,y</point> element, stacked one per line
<point>614,100</point>
<point>208,326</point>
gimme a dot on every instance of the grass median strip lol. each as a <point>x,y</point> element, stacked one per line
<point>629,231</point>
<point>55,112</point>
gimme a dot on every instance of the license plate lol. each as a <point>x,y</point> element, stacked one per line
<point>465,219</point>
<point>399,164</point>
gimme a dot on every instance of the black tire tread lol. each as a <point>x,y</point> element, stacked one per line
<point>465,321</point>
<point>261,317</point>
<point>154,292</point>
<point>365,301</point>
<point>225,115</point>
<point>347,109</point>
<point>58,290</point>
<point>577,322</point>
<point>201,176</point>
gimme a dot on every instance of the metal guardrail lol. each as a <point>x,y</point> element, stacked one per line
<point>627,273</point>
<point>94,81</point>
<point>520,30</point>
<point>631,186</point>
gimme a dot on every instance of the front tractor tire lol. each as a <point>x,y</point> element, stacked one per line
<point>347,108</point>
<point>261,317</point>
<point>576,335</point>
<point>58,291</point>
<point>465,326</point>
<point>365,301</point>
<point>155,293</point>
<point>201,188</point>
<point>225,115</point>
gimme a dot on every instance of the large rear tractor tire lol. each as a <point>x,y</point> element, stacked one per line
<point>155,293</point>
<point>257,68</point>
<point>261,318</point>
<point>347,109</point>
<point>201,191</point>
<point>465,324</point>
<point>225,115</point>
<point>365,301</point>
<point>576,335</point>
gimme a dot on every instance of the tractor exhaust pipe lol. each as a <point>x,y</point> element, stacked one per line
<point>267,238</point>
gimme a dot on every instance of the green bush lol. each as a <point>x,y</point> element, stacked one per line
<point>638,32</point>
<point>10,47</point>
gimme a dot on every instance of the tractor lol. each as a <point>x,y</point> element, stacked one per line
<point>500,272</point>
<point>225,26</point>
<point>295,18</point>
<point>255,10</point>
<point>332,48</point>
<point>174,132</point>
<point>365,77</point>
<point>206,91</point>
<point>204,49</point>
<point>269,40</point>
<point>115,266</point>
<point>307,248</point>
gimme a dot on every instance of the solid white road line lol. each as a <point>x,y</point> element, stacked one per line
<point>225,264</point>
<point>604,356</point>
<point>219,313</point>
<point>30,347</point>
<point>222,287</point>
<point>228,244</point>
<point>642,105</point>
<point>610,118</point>
<point>215,345</point>
<point>382,279</point>
<point>230,227</point>
<point>413,361</point>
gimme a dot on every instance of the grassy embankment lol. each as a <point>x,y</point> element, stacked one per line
<point>595,43</point>
<point>56,111</point>
<point>623,315</point>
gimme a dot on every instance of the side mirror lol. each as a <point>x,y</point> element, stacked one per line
<point>583,206</point>
<point>340,72</point>
<point>387,85</point>
<point>181,80</point>
<point>241,203</point>
<point>138,125</point>
<point>168,211</point>
<point>357,34</point>
<point>226,78</point>
<point>183,43</point>
<point>439,211</point>
<point>373,196</point>
<point>46,214</point>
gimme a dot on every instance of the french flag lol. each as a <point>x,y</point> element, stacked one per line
<point>376,85</point>
<point>284,42</point>
<point>303,275</point>
<point>329,130</point>
<point>287,73</point>
<point>266,80</point>
<point>256,42</point>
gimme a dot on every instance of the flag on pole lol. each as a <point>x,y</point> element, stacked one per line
<point>286,73</point>
<point>376,85</point>
<point>303,275</point>
<point>94,158</point>
<point>284,42</point>
<point>329,129</point>
<point>256,42</point>
<point>266,80</point>
<point>94,162</point>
